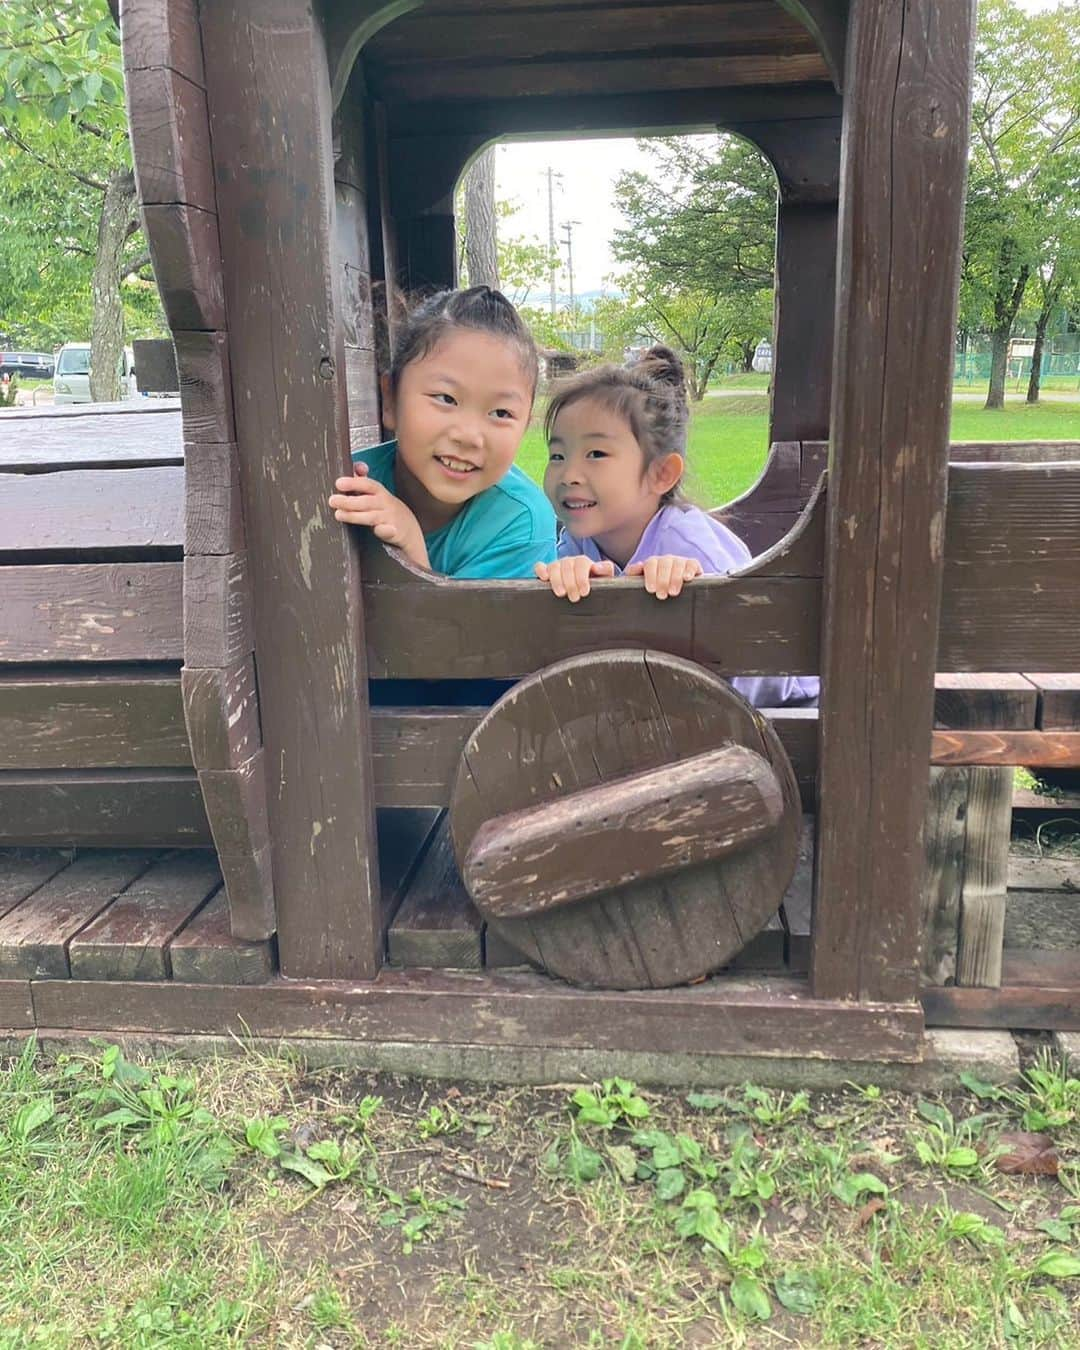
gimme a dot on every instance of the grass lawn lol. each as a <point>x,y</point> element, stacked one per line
<point>245,1201</point>
<point>728,438</point>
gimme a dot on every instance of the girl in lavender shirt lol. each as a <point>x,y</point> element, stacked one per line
<point>617,453</point>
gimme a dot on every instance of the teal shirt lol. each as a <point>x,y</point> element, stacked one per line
<point>498,535</point>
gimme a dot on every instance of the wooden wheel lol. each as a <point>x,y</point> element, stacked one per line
<point>625,820</point>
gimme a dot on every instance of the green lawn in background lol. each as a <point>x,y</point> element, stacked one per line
<point>728,438</point>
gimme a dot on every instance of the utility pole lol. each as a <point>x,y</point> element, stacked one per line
<point>552,251</point>
<point>568,226</point>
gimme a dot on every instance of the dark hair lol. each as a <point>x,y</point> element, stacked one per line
<point>649,394</point>
<point>480,309</point>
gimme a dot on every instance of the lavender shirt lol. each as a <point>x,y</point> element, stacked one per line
<point>690,533</point>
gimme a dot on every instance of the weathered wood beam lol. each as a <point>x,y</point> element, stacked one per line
<point>276,204</point>
<point>907,101</point>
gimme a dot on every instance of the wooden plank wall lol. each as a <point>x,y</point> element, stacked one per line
<point>165,80</point>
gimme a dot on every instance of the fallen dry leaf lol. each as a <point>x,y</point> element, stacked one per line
<point>868,1211</point>
<point>1027,1154</point>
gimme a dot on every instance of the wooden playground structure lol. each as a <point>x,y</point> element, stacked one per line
<point>228,800</point>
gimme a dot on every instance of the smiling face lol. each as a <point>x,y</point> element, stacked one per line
<point>597,479</point>
<point>459,413</point>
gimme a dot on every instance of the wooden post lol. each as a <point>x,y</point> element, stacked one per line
<point>903,161</point>
<point>269,98</point>
<point>805,152</point>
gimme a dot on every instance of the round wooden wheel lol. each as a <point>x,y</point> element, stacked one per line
<point>625,820</point>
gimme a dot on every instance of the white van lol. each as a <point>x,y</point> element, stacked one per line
<point>71,383</point>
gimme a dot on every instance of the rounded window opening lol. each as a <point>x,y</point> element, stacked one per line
<point>612,246</point>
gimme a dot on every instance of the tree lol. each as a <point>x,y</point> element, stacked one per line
<point>481,260</point>
<point>705,218</point>
<point>1025,138</point>
<point>699,245</point>
<point>69,215</point>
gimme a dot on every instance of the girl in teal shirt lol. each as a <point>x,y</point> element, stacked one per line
<point>458,398</point>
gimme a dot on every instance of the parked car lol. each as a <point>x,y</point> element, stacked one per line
<point>31,365</point>
<point>72,381</point>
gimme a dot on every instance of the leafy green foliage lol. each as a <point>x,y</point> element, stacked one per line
<point>63,140</point>
<point>698,249</point>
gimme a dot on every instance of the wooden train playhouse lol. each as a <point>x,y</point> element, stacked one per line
<point>224,804</point>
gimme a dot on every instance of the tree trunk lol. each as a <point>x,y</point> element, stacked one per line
<point>481,262</point>
<point>1007,302</point>
<point>748,349</point>
<point>1035,378</point>
<point>107,322</point>
<point>999,351</point>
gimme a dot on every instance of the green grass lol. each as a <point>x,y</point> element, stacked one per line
<point>728,438</point>
<point>246,1202</point>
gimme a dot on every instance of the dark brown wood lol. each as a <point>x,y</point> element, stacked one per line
<point>1038,749</point>
<point>34,936</point>
<point>489,33</point>
<point>102,808</point>
<point>62,721</point>
<point>156,34</point>
<point>267,61</point>
<point>127,510</point>
<point>1012,1007</point>
<point>827,22</point>
<point>22,871</point>
<point>763,621</point>
<point>436,925</point>
<point>205,951</point>
<point>1039,968</point>
<point>66,438</point>
<point>186,250</point>
<point>218,610</point>
<point>170,127</point>
<point>594,720</point>
<point>92,612</point>
<point>155,365</point>
<point>129,940</point>
<point>1012,549</point>
<point>213,513</point>
<point>907,98</point>
<point>637,112</point>
<point>235,802</point>
<point>416,750</point>
<point>968,702</point>
<point>1024,452</point>
<point>202,360</point>
<point>719,1018</point>
<point>698,810</point>
<point>618,75</point>
<point>403,838</point>
<point>801,386</point>
<point>1059,701</point>
<point>222,715</point>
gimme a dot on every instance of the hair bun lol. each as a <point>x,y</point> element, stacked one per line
<point>664,366</point>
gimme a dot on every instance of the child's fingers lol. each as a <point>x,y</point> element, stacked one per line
<point>602,569</point>
<point>542,571</point>
<point>360,469</point>
<point>634,570</point>
<point>557,581</point>
<point>357,487</point>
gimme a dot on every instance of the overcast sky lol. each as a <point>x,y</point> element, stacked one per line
<point>589,170</point>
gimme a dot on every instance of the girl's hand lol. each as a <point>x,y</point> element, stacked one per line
<point>665,575</point>
<point>569,577</point>
<point>360,500</point>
